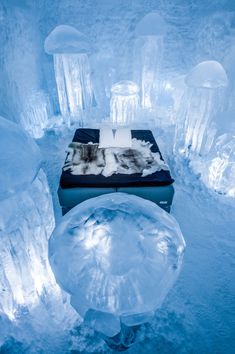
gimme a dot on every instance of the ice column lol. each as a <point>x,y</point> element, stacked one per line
<point>124,102</point>
<point>202,100</point>
<point>221,172</point>
<point>35,113</point>
<point>103,65</point>
<point>70,50</point>
<point>26,222</point>
<point>148,54</point>
<point>117,271</point>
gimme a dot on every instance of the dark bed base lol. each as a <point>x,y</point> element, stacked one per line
<point>161,195</point>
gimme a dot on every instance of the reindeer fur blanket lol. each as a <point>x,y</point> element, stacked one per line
<point>89,159</point>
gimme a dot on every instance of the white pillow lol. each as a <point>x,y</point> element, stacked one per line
<point>120,137</point>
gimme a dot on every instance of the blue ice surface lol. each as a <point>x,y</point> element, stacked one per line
<point>118,255</point>
<point>198,314</point>
<point>20,159</point>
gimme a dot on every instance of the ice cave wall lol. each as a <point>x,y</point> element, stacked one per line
<point>196,31</point>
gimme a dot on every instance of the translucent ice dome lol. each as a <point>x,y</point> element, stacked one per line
<point>208,74</point>
<point>20,158</point>
<point>66,39</point>
<point>119,255</point>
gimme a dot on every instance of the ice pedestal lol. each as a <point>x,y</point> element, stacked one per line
<point>117,255</point>
<point>70,50</point>
<point>202,100</point>
<point>124,103</point>
<point>148,55</point>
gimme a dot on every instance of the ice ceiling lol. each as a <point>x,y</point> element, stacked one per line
<point>195,31</point>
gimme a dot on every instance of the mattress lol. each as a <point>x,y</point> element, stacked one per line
<point>84,136</point>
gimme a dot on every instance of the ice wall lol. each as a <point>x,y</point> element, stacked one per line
<point>70,50</point>
<point>23,97</point>
<point>26,223</point>
<point>35,114</point>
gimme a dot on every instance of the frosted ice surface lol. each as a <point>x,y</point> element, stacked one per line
<point>20,158</point>
<point>104,75</point>
<point>70,50</point>
<point>124,102</point>
<point>35,114</point>
<point>26,222</point>
<point>221,172</point>
<point>72,74</point>
<point>151,25</point>
<point>27,284</point>
<point>118,255</point>
<point>66,39</point>
<point>148,54</point>
<point>208,74</point>
<point>125,88</point>
<point>203,99</point>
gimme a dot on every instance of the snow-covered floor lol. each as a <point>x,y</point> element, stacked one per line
<point>198,315</point>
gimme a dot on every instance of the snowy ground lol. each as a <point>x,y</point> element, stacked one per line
<point>198,315</point>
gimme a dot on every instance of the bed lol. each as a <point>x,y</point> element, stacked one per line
<point>75,188</point>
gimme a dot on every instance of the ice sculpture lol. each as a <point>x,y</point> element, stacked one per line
<point>35,114</point>
<point>70,50</point>
<point>117,255</point>
<point>202,100</point>
<point>221,173</point>
<point>148,55</point>
<point>124,102</point>
<point>26,222</point>
<point>103,66</point>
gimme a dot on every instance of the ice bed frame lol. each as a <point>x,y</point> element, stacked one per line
<point>74,189</point>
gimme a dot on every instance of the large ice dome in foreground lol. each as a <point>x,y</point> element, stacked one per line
<point>119,255</point>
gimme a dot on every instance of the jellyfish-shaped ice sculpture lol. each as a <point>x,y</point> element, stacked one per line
<point>117,255</point>
<point>148,55</point>
<point>70,49</point>
<point>26,222</point>
<point>220,175</point>
<point>124,102</point>
<point>202,100</point>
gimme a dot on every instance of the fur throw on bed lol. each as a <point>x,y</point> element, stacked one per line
<point>87,159</point>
